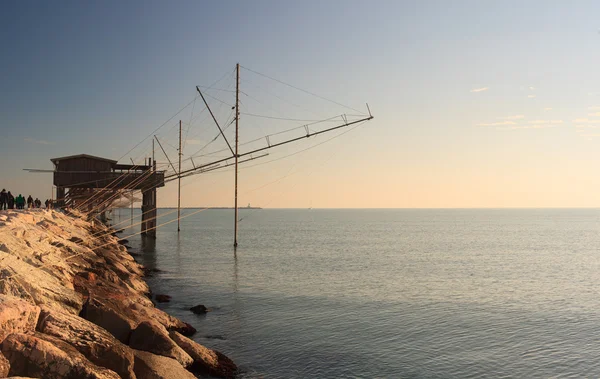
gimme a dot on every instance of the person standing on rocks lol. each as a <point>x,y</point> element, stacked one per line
<point>20,201</point>
<point>3,200</point>
<point>29,202</point>
<point>11,201</point>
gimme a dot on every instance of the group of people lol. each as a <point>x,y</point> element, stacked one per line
<point>9,201</point>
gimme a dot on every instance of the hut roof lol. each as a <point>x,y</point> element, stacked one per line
<point>54,160</point>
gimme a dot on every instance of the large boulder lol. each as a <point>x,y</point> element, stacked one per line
<point>154,338</point>
<point>4,366</point>
<point>39,285</point>
<point>17,315</point>
<point>33,357</point>
<point>151,366</point>
<point>120,314</point>
<point>206,360</point>
<point>143,312</point>
<point>103,314</point>
<point>92,341</point>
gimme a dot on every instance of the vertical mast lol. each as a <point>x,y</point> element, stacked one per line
<point>179,183</point>
<point>133,164</point>
<point>237,119</point>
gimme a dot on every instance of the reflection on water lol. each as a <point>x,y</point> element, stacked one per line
<point>148,249</point>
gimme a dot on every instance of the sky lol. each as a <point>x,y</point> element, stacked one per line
<point>476,104</point>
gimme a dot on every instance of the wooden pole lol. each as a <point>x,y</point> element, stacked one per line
<point>179,184</point>
<point>237,119</point>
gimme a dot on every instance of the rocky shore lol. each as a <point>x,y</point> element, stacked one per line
<point>73,304</point>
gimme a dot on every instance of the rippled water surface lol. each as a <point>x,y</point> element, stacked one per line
<point>388,293</point>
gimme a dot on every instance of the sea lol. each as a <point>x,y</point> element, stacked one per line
<point>385,293</point>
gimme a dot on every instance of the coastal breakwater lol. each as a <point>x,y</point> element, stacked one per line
<point>73,304</point>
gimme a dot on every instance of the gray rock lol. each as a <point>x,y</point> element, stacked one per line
<point>154,338</point>
<point>151,366</point>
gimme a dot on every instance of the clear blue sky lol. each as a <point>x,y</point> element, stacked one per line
<point>476,103</point>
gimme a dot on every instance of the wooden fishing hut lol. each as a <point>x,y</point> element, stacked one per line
<point>91,184</point>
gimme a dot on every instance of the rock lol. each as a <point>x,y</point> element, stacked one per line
<point>109,318</point>
<point>151,366</point>
<point>38,286</point>
<point>154,338</point>
<point>214,337</point>
<point>76,240</point>
<point>206,360</point>
<point>34,357</point>
<point>150,271</point>
<point>95,343</point>
<point>187,330</point>
<point>4,366</point>
<point>199,309</point>
<point>163,298</point>
<point>144,312</point>
<point>17,315</point>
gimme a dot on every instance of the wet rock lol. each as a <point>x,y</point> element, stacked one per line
<point>4,366</point>
<point>163,298</point>
<point>150,271</point>
<point>33,357</point>
<point>124,241</point>
<point>187,330</point>
<point>214,337</point>
<point>151,366</point>
<point>154,338</point>
<point>16,316</point>
<point>206,360</point>
<point>200,309</point>
<point>95,343</point>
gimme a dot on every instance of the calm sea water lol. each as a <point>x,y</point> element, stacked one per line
<point>388,293</point>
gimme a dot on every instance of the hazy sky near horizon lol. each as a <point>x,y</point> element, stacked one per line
<point>476,104</point>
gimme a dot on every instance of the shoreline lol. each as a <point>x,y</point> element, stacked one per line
<point>73,295</point>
